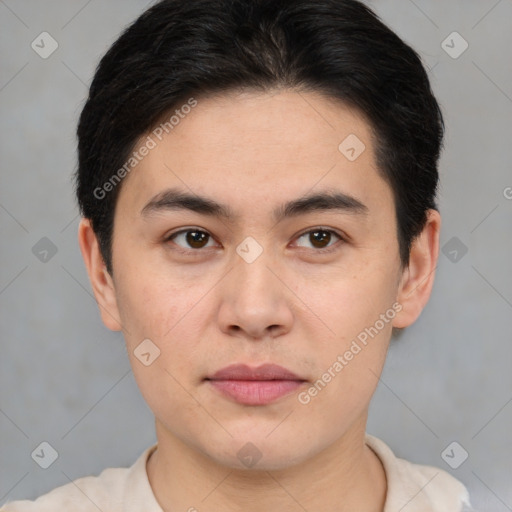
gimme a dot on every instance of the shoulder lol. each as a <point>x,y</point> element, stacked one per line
<point>82,495</point>
<point>110,490</point>
<point>420,488</point>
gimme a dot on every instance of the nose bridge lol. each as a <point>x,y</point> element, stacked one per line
<point>252,274</point>
<point>254,299</point>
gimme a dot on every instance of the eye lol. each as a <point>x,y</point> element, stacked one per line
<point>195,238</point>
<point>320,238</point>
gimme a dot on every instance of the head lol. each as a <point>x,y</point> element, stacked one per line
<point>298,143</point>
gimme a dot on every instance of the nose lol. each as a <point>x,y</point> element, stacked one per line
<point>255,301</point>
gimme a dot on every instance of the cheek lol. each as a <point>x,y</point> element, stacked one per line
<point>351,339</point>
<point>348,368</point>
<point>159,312</point>
<point>150,307</point>
<point>347,299</point>
<point>166,392</point>
<point>170,317</point>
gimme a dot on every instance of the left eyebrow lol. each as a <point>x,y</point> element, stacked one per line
<point>328,200</point>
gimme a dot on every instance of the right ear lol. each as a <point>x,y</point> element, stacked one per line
<point>101,281</point>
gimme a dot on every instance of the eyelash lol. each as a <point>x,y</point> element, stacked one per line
<point>324,250</point>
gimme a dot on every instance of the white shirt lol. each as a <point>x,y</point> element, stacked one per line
<point>411,488</point>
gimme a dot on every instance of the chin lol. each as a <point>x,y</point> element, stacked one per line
<point>260,453</point>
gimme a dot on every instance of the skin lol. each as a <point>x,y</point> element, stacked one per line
<point>292,306</point>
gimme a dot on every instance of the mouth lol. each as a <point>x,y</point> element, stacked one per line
<point>255,386</point>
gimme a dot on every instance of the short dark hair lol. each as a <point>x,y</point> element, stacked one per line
<point>180,49</point>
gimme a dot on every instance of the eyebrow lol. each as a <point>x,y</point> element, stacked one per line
<point>328,200</point>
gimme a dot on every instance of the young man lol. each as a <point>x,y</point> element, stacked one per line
<point>257,180</point>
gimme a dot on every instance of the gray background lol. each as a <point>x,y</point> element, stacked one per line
<point>66,379</point>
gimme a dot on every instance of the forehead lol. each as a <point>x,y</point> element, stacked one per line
<point>281,124</point>
<point>255,148</point>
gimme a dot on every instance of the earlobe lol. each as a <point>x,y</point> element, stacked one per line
<point>418,279</point>
<point>101,281</point>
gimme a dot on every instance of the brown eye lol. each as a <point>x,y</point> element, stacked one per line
<point>196,239</point>
<point>192,238</point>
<point>320,238</point>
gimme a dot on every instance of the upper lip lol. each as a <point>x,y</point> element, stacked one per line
<point>245,372</point>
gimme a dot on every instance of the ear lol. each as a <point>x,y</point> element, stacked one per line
<point>101,280</point>
<point>417,280</point>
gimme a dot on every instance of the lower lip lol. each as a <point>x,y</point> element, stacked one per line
<point>256,392</point>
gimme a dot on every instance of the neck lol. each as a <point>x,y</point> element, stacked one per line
<point>347,476</point>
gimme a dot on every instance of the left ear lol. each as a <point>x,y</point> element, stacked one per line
<point>417,280</point>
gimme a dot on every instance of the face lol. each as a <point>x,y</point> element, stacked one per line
<point>312,288</point>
